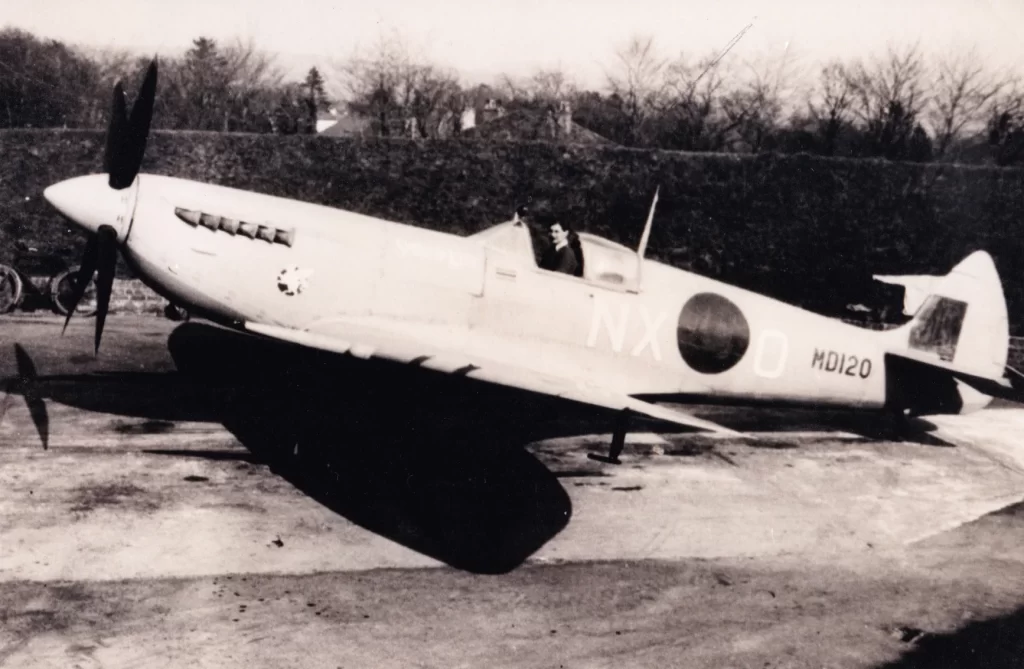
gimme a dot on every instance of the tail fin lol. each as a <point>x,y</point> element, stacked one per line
<point>961,323</point>
<point>963,320</point>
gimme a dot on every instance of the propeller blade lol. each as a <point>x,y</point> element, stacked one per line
<point>117,133</point>
<point>106,263</point>
<point>141,117</point>
<point>127,135</point>
<point>83,278</point>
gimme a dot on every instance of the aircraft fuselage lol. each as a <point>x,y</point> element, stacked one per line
<point>679,334</point>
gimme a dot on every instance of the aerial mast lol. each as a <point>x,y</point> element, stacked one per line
<point>644,238</point>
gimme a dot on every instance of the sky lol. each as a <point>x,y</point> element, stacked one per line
<point>481,39</point>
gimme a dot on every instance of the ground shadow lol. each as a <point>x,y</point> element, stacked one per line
<point>996,643</point>
<point>243,363</point>
<point>867,425</point>
<point>434,463</point>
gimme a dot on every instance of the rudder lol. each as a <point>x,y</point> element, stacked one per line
<point>962,321</point>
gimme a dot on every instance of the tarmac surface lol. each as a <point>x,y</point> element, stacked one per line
<point>196,497</point>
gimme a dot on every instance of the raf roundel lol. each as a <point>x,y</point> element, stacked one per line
<point>293,280</point>
<point>713,334</point>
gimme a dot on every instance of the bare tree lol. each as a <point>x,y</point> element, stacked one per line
<point>112,65</point>
<point>961,92</point>
<point>544,88</point>
<point>395,86</point>
<point>897,77</point>
<point>829,106</point>
<point>511,88</point>
<point>888,98</point>
<point>638,82</point>
<point>372,79</point>
<point>232,88</point>
<point>755,107</point>
<point>249,75</point>
<point>248,67</point>
<point>1005,126</point>
<point>551,85</point>
<point>692,104</point>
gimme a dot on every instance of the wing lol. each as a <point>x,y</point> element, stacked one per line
<point>387,341</point>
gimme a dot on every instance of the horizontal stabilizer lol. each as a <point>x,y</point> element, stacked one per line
<point>916,288</point>
<point>1002,388</point>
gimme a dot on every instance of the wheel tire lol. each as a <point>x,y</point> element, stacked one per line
<point>10,289</point>
<point>61,289</point>
<point>176,313</point>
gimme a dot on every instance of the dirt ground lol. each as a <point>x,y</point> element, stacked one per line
<point>208,500</point>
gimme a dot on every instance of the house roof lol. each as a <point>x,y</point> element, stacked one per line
<point>522,124</point>
<point>348,125</point>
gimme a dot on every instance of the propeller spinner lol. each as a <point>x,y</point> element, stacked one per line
<point>101,203</point>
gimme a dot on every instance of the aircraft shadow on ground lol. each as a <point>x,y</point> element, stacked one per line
<point>868,426</point>
<point>995,643</point>
<point>431,461</point>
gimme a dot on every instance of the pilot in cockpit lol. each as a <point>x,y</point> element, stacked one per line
<point>564,252</point>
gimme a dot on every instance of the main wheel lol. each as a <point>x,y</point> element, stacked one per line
<point>176,313</point>
<point>62,289</point>
<point>10,289</point>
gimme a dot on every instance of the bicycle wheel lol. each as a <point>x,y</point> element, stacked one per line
<point>10,289</point>
<point>62,289</point>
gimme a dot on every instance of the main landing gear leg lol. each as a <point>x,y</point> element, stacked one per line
<point>618,440</point>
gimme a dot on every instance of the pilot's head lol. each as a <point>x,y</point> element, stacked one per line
<point>559,234</point>
<point>555,230</point>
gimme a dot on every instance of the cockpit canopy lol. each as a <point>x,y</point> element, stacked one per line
<point>512,237</point>
<point>609,262</point>
<point>605,262</point>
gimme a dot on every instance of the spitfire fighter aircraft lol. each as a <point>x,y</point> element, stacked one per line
<point>627,334</point>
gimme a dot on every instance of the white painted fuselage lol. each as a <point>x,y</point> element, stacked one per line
<point>342,265</point>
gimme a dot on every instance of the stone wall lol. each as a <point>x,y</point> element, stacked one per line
<point>127,296</point>
<point>132,296</point>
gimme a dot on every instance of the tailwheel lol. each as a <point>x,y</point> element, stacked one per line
<point>618,440</point>
<point>900,424</point>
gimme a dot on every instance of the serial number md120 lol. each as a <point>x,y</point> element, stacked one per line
<point>841,363</point>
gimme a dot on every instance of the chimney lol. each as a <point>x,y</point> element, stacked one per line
<point>468,118</point>
<point>412,128</point>
<point>565,118</point>
<point>493,109</point>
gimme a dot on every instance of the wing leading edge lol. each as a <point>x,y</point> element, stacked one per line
<point>380,342</point>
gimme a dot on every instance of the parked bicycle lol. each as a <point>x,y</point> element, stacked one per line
<point>42,280</point>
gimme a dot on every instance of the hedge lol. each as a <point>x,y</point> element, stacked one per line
<point>805,229</point>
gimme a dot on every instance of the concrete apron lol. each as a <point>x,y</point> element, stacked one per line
<point>826,497</point>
